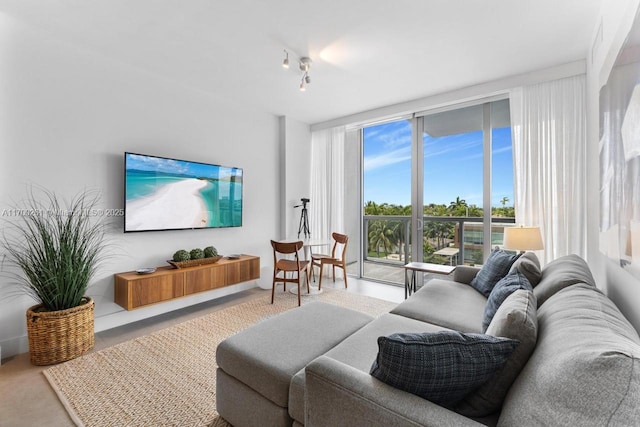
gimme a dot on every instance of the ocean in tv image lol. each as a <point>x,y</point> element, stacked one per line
<point>166,194</point>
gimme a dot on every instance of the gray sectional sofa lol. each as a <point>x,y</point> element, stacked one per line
<point>577,361</point>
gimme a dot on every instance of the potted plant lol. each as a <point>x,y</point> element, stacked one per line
<point>56,247</point>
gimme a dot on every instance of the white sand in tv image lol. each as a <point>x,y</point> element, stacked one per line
<point>175,205</point>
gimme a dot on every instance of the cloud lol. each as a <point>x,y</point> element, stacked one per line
<point>160,164</point>
<point>386,159</point>
<point>390,135</point>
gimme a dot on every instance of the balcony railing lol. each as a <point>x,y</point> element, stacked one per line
<point>454,240</point>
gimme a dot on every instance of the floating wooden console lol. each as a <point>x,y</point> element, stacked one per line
<point>133,290</point>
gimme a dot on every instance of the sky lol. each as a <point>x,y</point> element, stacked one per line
<point>452,166</point>
<point>180,167</point>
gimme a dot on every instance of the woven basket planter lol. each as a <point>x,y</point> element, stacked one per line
<point>58,336</point>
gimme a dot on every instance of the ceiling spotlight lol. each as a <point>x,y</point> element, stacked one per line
<point>304,64</point>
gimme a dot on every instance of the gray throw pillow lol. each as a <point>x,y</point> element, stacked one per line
<point>505,287</point>
<point>529,265</point>
<point>516,319</point>
<point>442,367</point>
<point>496,267</point>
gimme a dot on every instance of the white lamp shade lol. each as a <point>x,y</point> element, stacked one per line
<point>523,238</point>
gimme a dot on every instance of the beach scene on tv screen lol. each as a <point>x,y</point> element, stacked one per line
<point>165,194</point>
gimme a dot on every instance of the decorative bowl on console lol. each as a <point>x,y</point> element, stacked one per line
<point>194,262</point>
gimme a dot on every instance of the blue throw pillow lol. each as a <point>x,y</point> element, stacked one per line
<point>505,287</point>
<point>442,367</point>
<point>496,267</point>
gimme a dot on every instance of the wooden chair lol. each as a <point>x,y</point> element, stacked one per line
<point>285,265</point>
<point>320,260</point>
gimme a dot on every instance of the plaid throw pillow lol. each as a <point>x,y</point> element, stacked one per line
<point>496,267</point>
<point>505,287</point>
<point>442,367</point>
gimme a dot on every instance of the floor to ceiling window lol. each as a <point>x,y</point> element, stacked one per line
<point>443,179</point>
<point>387,198</point>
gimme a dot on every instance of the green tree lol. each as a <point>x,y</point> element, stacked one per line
<point>475,211</point>
<point>504,201</point>
<point>435,210</point>
<point>397,236</point>
<point>379,234</point>
<point>371,208</point>
<point>458,207</point>
<point>438,230</point>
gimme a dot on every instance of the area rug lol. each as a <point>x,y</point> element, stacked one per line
<point>168,378</point>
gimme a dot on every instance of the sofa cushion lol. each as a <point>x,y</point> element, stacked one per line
<point>516,319</point>
<point>441,367</point>
<point>560,273</point>
<point>465,274</point>
<point>496,267</point>
<point>361,348</point>
<point>505,287</point>
<point>449,304</point>
<point>585,369</point>
<point>255,356</point>
<point>358,350</point>
<point>529,265</point>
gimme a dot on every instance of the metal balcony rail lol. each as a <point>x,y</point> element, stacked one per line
<point>395,231</point>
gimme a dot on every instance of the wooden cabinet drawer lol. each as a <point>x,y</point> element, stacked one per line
<point>205,279</point>
<point>132,290</point>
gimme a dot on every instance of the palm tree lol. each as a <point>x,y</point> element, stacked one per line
<point>371,208</point>
<point>458,206</point>
<point>504,201</point>
<point>379,234</point>
<point>398,235</point>
<point>439,231</point>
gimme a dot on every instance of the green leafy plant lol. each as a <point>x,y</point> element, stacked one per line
<point>57,245</point>
<point>196,253</point>
<point>210,252</point>
<point>181,255</point>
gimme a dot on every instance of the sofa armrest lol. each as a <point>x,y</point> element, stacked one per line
<point>340,395</point>
<point>465,274</point>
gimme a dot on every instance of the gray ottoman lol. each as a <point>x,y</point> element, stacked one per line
<point>255,366</point>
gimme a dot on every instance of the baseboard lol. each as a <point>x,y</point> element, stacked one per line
<point>14,346</point>
<point>17,345</point>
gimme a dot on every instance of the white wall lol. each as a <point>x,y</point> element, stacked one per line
<point>609,36</point>
<point>67,116</point>
<point>296,140</point>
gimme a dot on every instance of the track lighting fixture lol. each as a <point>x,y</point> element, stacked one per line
<point>304,64</point>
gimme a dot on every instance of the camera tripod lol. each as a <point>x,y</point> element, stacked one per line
<point>304,221</point>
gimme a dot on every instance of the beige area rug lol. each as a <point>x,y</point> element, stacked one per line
<point>168,378</point>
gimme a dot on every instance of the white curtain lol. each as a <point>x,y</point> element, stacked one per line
<point>327,182</point>
<point>548,122</point>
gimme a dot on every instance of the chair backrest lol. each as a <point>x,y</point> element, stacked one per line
<point>285,248</point>
<point>339,239</point>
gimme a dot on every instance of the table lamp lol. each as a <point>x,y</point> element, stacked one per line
<point>523,238</point>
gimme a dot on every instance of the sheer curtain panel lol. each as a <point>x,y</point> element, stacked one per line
<point>327,182</point>
<point>549,144</point>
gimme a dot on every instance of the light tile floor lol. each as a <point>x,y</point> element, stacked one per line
<point>26,399</point>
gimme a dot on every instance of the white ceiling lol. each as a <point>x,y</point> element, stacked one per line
<point>366,53</point>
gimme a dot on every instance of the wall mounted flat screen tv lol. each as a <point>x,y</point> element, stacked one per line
<point>170,194</point>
